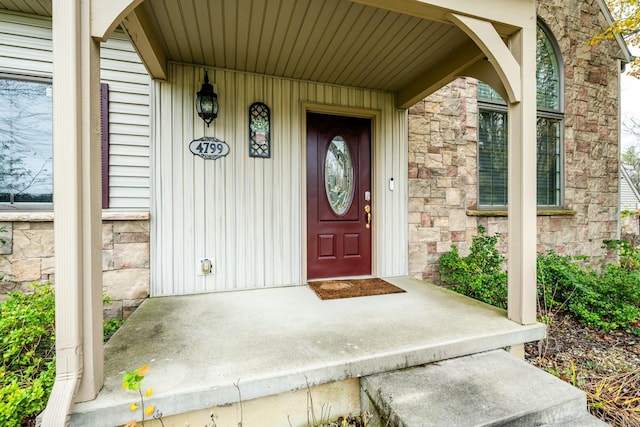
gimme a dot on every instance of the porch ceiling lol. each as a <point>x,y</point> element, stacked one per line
<point>407,47</point>
<point>328,41</point>
<point>31,7</point>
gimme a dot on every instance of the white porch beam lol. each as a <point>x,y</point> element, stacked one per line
<point>106,15</point>
<point>77,210</point>
<point>146,42</point>
<point>486,37</point>
<point>522,184</point>
<point>511,17</point>
<point>439,76</point>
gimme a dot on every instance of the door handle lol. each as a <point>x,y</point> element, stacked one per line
<point>367,211</point>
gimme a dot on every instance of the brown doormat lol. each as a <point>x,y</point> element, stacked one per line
<point>334,289</point>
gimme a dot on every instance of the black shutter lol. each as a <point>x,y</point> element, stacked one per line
<point>104,127</point>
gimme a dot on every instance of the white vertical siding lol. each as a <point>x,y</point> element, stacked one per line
<point>392,161</point>
<point>247,214</point>
<point>26,51</point>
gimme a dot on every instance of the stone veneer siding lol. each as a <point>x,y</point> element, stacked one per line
<point>28,256</point>
<point>630,229</point>
<point>443,134</point>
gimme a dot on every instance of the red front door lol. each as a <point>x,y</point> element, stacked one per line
<point>338,196</point>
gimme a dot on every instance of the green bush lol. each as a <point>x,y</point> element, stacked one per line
<point>109,327</point>
<point>610,298</point>
<point>628,254</point>
<point>557,276</point>
<point>27,344</point>
<point>480,274</point>
<point>607,299</point>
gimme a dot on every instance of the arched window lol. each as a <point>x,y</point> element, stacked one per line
<point>492,135</point>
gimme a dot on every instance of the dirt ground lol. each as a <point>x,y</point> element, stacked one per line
<point>605,365</point>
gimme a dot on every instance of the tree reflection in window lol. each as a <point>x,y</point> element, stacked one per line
<point>25,141</point>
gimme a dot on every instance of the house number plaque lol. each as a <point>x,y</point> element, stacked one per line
<point>209,148</point>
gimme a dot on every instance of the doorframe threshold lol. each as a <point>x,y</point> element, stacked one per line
<point>366,276</point>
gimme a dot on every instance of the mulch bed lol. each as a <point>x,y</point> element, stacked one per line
<point>604,365</point>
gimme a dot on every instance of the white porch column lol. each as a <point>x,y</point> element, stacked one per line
<point>512,71</point>
<point>90,174</point>
<point>522,183</point>
<point>77,210</point>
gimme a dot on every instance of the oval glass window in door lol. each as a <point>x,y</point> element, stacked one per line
<point>338,176</point>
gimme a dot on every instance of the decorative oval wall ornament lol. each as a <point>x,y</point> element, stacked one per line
<point>209,148</point>
<point>338,176</point>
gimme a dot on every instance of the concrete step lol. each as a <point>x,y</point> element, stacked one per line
<point>584,420</point>
<point>486,389</point>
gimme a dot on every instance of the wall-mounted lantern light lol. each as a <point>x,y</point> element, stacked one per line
<point>207,101</point>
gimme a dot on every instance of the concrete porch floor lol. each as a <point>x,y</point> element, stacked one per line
<point>276,340</point>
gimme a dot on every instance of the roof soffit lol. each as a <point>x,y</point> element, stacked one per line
<point>30,7</point>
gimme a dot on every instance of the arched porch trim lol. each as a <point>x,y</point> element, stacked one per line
<point>499,55</point>
<point>107,15</point>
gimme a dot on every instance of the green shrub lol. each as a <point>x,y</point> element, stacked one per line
<point>610,298</point>
<point>628,254</point>
<point>480,274</point>
<point>109,327</point>
<point>557,278</point>
<point>27,345</point>
<point>627,213</point>
<point>607,299</point>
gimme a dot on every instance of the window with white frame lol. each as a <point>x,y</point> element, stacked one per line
<point>25,142</point>
<point>492,135</point>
